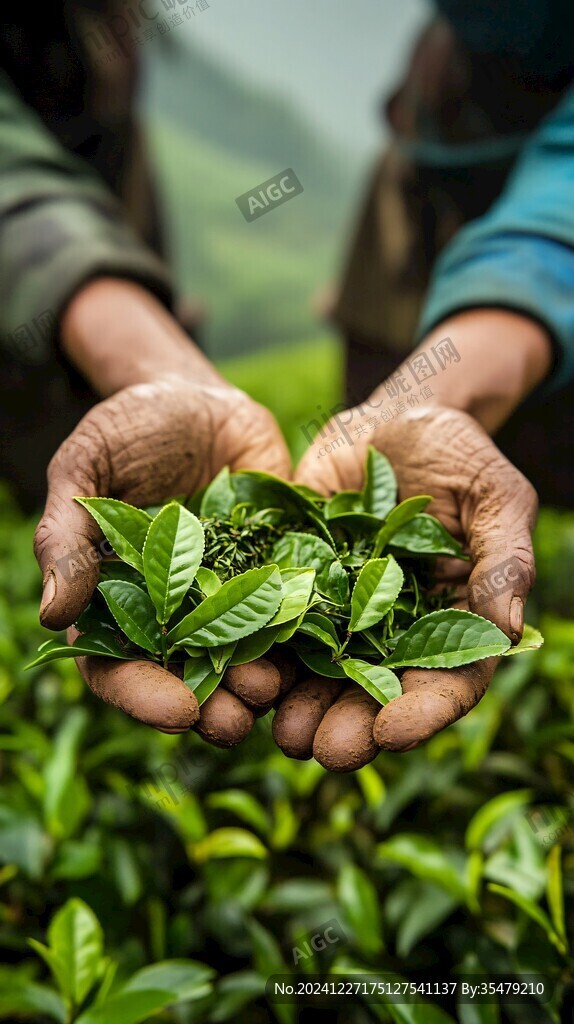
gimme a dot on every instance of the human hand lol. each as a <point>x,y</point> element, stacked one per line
<point>487,505</point>
<point>168,435</point>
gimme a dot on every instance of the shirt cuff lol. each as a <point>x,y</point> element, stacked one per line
<point>528,274</point>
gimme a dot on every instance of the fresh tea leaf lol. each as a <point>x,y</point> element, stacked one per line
<point>255,646</point>
<point>102,643</point>
<point>219,497</point>
<point>124,526</point>
<point>343,502</point>
<point>305,551</point>
<point>262,490</point>
<point>380,488</point>
<point>425,535</point>
<point>375,592</point>
<point>297,587</point>
<point>380,682</point>
<point>243,604</point>
<point>448,638</point>
<point>76,941</point>
<point>171,557</point>
<point>201,677</point>
<point>319,661</point>
<point>221,656</point>
<point>207,580</point>
<point>320,628</point>
<point>531,640</point>
<point>357,525</point>
<point>134,613</point>
<point>399,517</point>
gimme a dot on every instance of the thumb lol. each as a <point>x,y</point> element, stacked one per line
<point>332,465</point>
<point>67,542</point>
<point>499,514</point>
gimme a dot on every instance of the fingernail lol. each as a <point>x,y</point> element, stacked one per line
<point>48,594</point>
<point>516,617</point>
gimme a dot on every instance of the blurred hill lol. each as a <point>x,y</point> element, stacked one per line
<point>214,136</point>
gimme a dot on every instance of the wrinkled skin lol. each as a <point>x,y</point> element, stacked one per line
<point>144,445</point>
<point>484,502</point>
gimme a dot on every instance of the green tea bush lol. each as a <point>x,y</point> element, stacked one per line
<point>160,878</point>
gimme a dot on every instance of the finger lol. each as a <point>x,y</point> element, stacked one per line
<point>335,459</point>
<point>288,666</point>
<point>143,690</point>
<point>299,715</point>
<point>344,740</point>
<point>67,538</point>
<point>224,720</point>
<point>499,514</point>
<point>253,441</point>
<point>432,699</point>
<point>257,683</point>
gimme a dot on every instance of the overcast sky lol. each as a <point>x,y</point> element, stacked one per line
<point>335,58</point>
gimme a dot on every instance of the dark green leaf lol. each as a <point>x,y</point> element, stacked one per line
<point>343,502</point>
<point>266,491</point>
<point>448,638</point>
<point>425,535</point>
<point>255,646</point>
<point>305,551</point>
<point>380,488</point>
<point>320,628</point>
<point>201,677</point>
<point>357,525</point>
<point>243,604</point>
<point>399,517</point>
<point>219,497</point>
<point>319,661</point>
<point>103,643</point>
<point>133,612</point>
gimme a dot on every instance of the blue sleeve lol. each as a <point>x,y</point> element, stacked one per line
<point>520,255</point>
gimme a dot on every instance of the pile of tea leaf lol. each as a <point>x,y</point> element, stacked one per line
<point>253,561</point>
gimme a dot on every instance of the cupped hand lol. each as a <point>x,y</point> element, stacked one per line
<point>148,443</point>
<point>486,504</point>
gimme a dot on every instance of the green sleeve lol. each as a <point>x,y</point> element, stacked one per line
<point>59,227</point>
